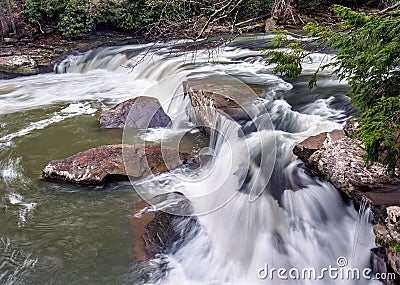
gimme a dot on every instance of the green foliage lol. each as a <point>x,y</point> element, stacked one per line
<point>40,10</point>
<point>395,245</point>
<point>288,60</point>
<point>379,241</point>
<point>255,8</point>
<point>75,19</point>
<point>369,59</point>
<point>348,3</point>
<point>380,131</point>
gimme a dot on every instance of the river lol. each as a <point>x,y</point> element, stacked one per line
<point>59,233</point>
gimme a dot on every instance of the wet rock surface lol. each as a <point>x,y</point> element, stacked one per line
<point>139,113</point>
<point>114,162</point>
<point>388,237</point>
<point>210,97</point>
<point>22,64</point>
<point>338,158</point>
<point>167,228</point>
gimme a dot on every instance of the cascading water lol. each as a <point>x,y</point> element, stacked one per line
<point>288,221</point>
<point>267,212</point>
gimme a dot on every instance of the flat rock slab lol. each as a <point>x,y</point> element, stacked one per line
<point>140,113</point>
<point>19,64</point>
<point>114,162</point>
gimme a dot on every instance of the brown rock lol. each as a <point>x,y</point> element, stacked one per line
<point>165,230</point>
<point>209,96</point>
<point>139,221</point>
<point>114,162</point>
<point>310,145</point>
<point>141,113</point>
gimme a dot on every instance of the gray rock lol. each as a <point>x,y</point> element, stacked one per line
<point>388,236</point>
<point>142,112</point>
<point>18,64</point>
<point>339,159</point>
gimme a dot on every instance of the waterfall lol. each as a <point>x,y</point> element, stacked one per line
<point>296,222</point>
<point>257,206</point>
<point>255,202</point>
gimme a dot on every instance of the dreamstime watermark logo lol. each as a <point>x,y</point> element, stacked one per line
<point>237,157</point>
<point>340,271</point>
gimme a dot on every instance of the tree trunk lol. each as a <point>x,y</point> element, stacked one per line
<point>11,18</point>
<point>5,29</point>
<point>283,8</point>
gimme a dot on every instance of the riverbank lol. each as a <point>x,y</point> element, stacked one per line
<point>230,217</point>
<point>338,158</point>
<point>26,57</point>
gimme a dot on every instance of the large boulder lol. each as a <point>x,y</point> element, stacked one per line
<point>210,97</point>
<point>114,162</point>
<point>141,113</point>
<point>339,158</point>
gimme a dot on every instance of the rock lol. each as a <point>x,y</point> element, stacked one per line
<point>10,40</point>
<point>146,113</point>
<point>21,60</point>
<point>339,158</point>
<point>388,236</point>
<point>310,145</point>
<point>270,24</point>
<point>139,221</point>
<point>350,127</point>
<point>394,260</point>
<point>379,262</point>
<point>166,232</point>
<point>209,97</point>
<point>114,162</point>
<point>6,53</point>
<point>18,64</point>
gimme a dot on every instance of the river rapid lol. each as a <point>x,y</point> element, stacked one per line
<point>59,233</point>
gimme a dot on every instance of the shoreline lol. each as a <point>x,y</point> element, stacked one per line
<point>25,58</point>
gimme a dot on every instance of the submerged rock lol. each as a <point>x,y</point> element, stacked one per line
<point>141,113</point>
<point>167,228</point>
<point>114,162</point>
